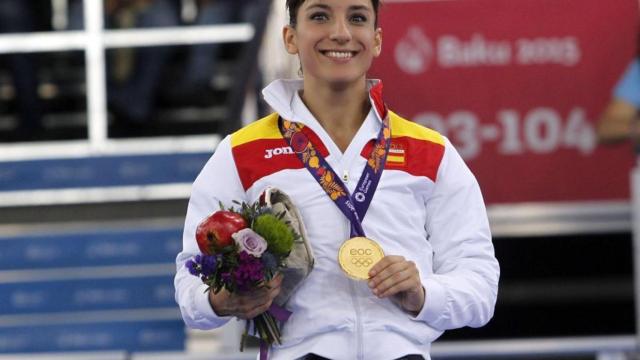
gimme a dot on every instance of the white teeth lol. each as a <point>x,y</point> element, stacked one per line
<point>339,54</point>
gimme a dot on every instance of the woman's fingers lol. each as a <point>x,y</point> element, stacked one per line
<point>391,276</point>
<point>251,304</point>
<point>396,277</point>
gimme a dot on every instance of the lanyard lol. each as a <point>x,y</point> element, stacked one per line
<point>355,206</point>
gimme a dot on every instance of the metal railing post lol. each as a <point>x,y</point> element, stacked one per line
<point>95,74</point>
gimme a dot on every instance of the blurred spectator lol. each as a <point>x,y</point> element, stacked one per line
<point>250,14</point>
<point>619,121</point>
<point>19,16</point>
<point>134,74</point>
<point>201,59</point>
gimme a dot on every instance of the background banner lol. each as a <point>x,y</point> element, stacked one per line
<point>517,86</point>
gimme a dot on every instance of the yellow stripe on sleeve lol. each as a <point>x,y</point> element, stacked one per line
<point>402,127</point>
<point>265,128</point>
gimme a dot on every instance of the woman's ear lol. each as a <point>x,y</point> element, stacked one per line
<point>378,42</point>
<point>289,36</point>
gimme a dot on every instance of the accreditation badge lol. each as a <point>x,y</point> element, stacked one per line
<point>358,255</point>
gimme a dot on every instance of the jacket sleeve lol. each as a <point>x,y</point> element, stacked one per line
<point>217,182</point>
<point>463,288</point>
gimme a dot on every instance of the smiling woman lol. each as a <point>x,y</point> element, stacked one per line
<point>326,145</point>
<point>336,42</point>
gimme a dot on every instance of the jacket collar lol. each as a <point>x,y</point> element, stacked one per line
<point>283,97</point>
<point>280,95</point>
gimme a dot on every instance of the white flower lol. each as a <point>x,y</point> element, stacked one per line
<point>250,242</point>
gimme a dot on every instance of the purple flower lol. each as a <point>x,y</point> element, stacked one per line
<point>193,267</point>
<point>204,265</point>
<point>226,277</point>
<point>209,263</point>
<point>249,271</point>
<point>247,240</point>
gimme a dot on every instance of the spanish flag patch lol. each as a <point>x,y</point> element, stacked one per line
<point>396,156</point>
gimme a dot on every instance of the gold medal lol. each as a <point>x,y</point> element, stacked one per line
<point>358,255</point>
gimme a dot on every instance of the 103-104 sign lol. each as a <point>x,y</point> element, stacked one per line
<point>541,130</point>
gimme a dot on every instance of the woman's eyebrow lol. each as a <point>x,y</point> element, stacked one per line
<point>321,6</point>
<point>328,8</point>
<point>359,8</point>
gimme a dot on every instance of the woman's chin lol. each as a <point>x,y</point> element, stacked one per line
<point>344,82</point>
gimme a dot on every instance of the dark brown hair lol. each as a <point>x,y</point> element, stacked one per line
<point>294,5</point>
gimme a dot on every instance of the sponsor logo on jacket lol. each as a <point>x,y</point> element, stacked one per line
<point>269,153</point>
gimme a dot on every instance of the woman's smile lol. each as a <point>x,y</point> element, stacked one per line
<point>339,54</point>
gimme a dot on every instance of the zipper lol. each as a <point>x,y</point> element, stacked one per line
<point>353,290</point>
<point>359,335</point>
<point>356,306</point>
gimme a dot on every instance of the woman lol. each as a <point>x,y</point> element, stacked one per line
<point>619,121</point>
<point>427,214</point>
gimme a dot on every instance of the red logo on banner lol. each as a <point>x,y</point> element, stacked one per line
<point>414,52</point>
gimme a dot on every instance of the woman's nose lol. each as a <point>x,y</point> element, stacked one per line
<point>340,32</point>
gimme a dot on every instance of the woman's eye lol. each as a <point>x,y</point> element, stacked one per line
<point>318,17</point>
<point>358,19</point>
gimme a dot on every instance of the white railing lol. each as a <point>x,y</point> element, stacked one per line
<point>604,347</point>
<point>93,355</point>
<point>601,348</point>
<point>560,218</point>
<point>94,39</point>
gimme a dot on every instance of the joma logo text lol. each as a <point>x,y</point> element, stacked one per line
<point>269,153</point>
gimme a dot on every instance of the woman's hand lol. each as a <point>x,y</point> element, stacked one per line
<point>246,305</point>
<point>398,278</point>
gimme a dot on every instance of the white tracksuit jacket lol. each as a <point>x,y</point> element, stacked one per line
<point>427,208</point>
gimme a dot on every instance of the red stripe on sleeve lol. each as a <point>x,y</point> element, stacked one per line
<point>421,157</point>
<point>257,159</point>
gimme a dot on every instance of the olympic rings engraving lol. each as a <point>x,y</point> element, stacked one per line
<point>361,261</point>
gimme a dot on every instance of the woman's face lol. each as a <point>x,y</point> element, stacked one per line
<point>336,40</point>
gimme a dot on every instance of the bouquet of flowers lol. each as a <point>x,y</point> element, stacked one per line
<point>244,248</point>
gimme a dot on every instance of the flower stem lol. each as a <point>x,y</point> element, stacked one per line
<point>245,335</point>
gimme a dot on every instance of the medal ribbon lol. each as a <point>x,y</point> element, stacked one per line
<point>355,206</point>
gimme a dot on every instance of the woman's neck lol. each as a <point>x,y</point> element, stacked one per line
<point>340,110</point>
